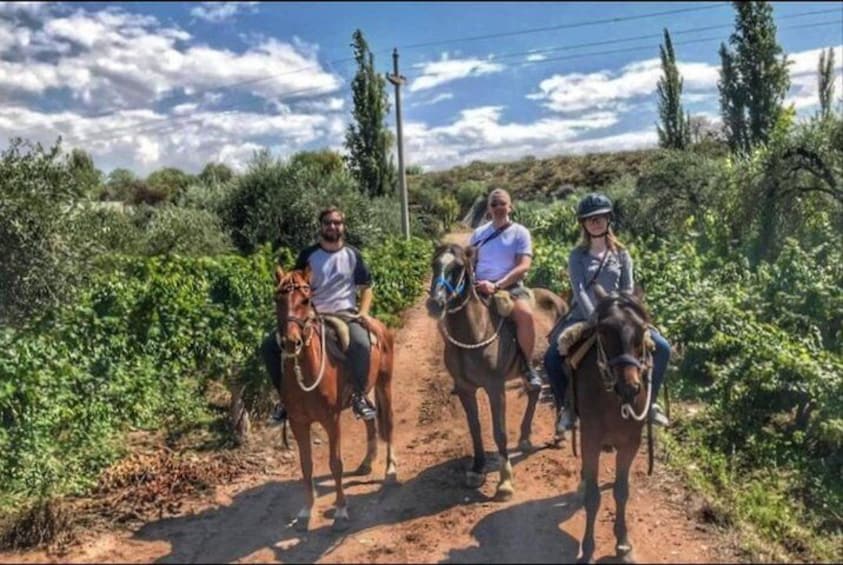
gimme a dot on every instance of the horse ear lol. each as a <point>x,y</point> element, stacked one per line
<point>307,272</point>
<point>600,292</point>
<point>279,274</point>
<point>470,251</point>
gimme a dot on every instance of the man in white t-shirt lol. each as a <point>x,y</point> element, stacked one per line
<point>504,255</point>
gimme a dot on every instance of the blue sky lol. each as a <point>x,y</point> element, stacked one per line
<point>152,84</point>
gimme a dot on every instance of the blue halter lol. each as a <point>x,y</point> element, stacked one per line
<point>442,281</point>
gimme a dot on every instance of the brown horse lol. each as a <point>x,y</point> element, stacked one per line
<point>611,393</point>
<point>317,390</point>
<point>481,351</point>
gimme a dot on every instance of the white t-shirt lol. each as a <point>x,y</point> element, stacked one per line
<point>498,256</point>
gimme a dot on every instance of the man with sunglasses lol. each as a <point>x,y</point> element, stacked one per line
<point>337,272</point>
<point>504,255</point>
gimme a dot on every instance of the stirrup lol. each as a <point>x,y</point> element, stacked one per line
<point>657,417</point>
<point>361,408</point>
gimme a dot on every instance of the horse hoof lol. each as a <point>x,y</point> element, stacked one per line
<point>624,553</point>
<point>340,524</point>
<point>525,446</point>
<point>474,480</point>
<point>505,491</point>
<point>302,524</point>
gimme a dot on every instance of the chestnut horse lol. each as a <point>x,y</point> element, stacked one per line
<point>317,389</point>
<point>481,351</point>
<point>611,387</point>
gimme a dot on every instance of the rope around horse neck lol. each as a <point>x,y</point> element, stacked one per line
<point>297,366</point>
<point>627,410</point>
<point>483,343</point>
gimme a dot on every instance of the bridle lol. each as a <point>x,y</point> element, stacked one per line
<point>609,378</point>
<point>307,323</point>
<point>457,291</point>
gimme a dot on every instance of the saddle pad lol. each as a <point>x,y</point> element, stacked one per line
<point>573,343</point>
<point>504,302</point>
<point>340,326</point>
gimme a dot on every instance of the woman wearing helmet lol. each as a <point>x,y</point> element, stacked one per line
<point>599,259</point>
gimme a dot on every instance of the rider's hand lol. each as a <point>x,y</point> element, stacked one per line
<point>486,288</point>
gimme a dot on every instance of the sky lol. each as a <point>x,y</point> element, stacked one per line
<point>145,85</point>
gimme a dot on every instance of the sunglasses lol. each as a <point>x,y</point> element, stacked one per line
<point>332,222</point>
<point>497,203</point>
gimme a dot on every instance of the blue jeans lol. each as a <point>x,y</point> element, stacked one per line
<point>556,369</point>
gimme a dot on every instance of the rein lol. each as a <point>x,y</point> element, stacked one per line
<point>609,379</point>
<point>456,292</point>
<point>305,324</point>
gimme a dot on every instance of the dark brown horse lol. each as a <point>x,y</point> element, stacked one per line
<point>612,396</point>
<point>481,351</point>
<point>316,388</point>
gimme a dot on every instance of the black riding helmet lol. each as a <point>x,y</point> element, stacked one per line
<point>594,204</point>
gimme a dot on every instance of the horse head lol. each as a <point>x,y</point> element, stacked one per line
<point>452,278</point>
<point>622,332</point>
<point>294,312</point>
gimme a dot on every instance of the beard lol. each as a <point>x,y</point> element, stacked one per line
<point>331,236</point>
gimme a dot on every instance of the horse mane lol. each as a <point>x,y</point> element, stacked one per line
<point>623,300</point>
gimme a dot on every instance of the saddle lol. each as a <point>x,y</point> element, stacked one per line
<point>338,336</point>
<point>576,340</point>
<point>502,302</point>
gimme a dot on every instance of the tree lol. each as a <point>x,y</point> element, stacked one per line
<point>118,185</point>
<point>732,104</point>
<point>215,173</point>
<point>168,182</point>
<point>674,133</point>
<point>825,78</point>
<point>81,166</point>
<point>753,78</point>
<point>367,139</point>
<point>44,251</point>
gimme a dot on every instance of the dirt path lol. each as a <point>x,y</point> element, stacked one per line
<point>430,516</point>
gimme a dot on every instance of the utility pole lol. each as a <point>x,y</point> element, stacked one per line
<point>398,80</point>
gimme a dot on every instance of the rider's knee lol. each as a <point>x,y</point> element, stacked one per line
<point>521,312</point>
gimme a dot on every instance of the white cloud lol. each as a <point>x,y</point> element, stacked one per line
<point>532,57</point>
<point>435,100</point>
<point>479,133</point>
<point>804,88</point>
<point>447,70</point>
<point>184,108</point>
<point>220,11</point>
<point>144,140</point>
<point>122,59</point>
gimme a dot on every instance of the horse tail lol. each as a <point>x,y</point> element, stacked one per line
<point>383,387</point>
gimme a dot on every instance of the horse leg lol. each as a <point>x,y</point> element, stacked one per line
<point>365,466</point>
<point>590,467</point>
<point>383,401</point>
<point>477,475</point>
<point>524,443</point>
<point>301,431</point>
<point>341,520</point>
<point>497,401</point>
<point>623,462</point>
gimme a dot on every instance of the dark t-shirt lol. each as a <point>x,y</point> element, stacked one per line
<point>335,276</point>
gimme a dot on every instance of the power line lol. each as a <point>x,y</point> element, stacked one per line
<point>168,121</point>
<point>648,36</point>
<point>564,26</point>
<point>639,48</point>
